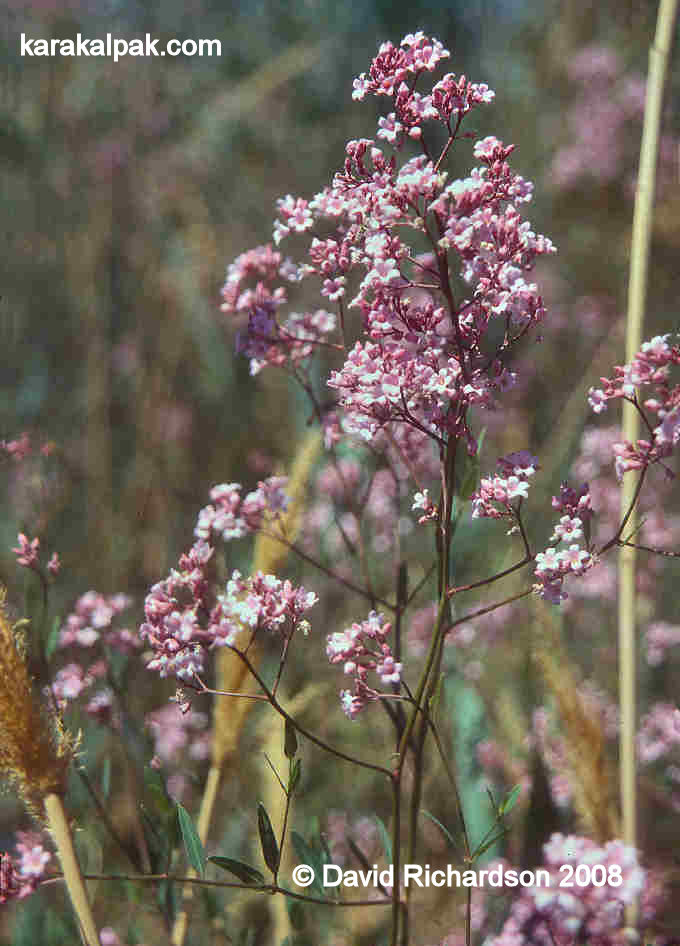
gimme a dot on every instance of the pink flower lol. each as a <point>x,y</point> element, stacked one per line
<point>363,648</point>
<point>27,552</point>
<point>54,564</point>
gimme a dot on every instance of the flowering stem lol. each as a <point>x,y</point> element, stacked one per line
<point>454,785</point>
<point>396,858</point>
<point>364,592</point>
<point>628,517</point>
<point>284,827</point>
<point>202,882</point>
<point>646,548</point>
<point>489,581</point>
<point>274,703</point>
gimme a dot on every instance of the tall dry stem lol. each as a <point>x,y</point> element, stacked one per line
<point>637,290</point>
<point>35,753</point>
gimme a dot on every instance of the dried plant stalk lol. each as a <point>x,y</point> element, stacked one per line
<point>659,55</point>
<point>35,753</point>
<point>590,773</point>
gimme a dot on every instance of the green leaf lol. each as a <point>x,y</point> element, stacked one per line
<point>244,872</point>
<point>469,477</point>
<point>510,800</point>
<point>192,842</point>
<point>385,838</point>
<point>294,777</point>
<point>490,843</point>
<point>307,855</point>
<point>163,806</point>
<point>106,778</point>
<point>52,639</point>
<point>444,830</point>
<point>270,847</point>
<point>290,743</point>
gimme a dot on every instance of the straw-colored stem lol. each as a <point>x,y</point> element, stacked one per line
<point>637,290</point>
<point>61,833</point>
<point>212,785</point>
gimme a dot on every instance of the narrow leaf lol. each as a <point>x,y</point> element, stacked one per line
<point>385,838</point>
<point>53,639</point>
<point>106,778</point>
<point>307,855</point>
<point>290,743</point>
<point>270,847</point>
<point>244,872</point>
<point>490,843</point>
<point>510,801</point>
<point>192,842</point>
<point>294,777</point>
<point>469,478</point>
<point>444,830</point>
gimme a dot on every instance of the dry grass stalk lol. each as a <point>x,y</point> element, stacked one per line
<point>35,753</point>
<point>590,773</point>
<point>643,217</point>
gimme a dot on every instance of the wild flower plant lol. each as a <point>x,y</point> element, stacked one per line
<point>426,288</point>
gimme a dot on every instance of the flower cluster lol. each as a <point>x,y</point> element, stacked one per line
<point>552,566</point>
<point>20,875</point>
<point>422,361</point>
<point>423,503</point>
<point>91,622</point>
<point>261,601</point>
<point>90,625</point>
<point>262,264</point>
<point>184,615</point>
<point>393,65</point>
<point>661,636</point>
<point>184,619</point>
<point>233,517</point>
<point>17,449</point>
<point>363,648</point>
<point>175,610</point>
<point>267,342</point>
<point>495,491</point>
<point>659,732</point>
<point>590,913</point>
<point>611,99</point>
<point>174,731</point>
<point>27,553</point>
<point>650,367</point>
<point>659,742</point>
